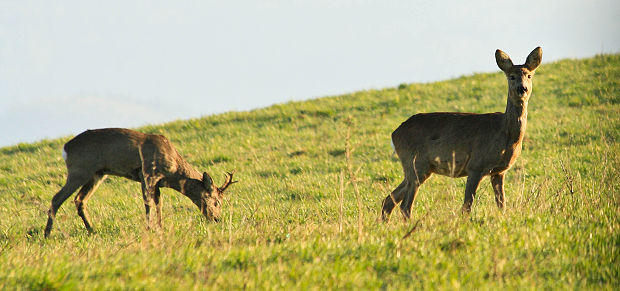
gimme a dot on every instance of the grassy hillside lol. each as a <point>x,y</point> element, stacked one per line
<point>296,221</point>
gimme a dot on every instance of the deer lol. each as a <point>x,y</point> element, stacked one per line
<point>146,158</point>
<point>457,144</point>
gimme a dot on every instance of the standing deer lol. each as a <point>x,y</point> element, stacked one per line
<point>464,144</point>
<point>147,158</point>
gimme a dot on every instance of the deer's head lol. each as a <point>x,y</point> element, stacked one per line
<point>519,76</point>
<point>211,196</point>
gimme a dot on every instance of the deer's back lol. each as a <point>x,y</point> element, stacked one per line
<point>108,151</point>
<point>448,125</point>
<point>448,138</point>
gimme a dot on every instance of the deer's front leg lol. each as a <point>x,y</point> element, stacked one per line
<point>473,181</point>
<point>146,197</point>
<point>157,200</point>
<point>150,195</point>
<point>497,181</point>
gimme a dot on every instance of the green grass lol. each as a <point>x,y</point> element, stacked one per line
<point>286,226</point>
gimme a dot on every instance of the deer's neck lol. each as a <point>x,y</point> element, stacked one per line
<point>185,180</point>
<point>515,121</point>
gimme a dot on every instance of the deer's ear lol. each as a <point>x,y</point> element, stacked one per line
<point>503,60</point>
<point>534,59</point>
<point>206,180</point>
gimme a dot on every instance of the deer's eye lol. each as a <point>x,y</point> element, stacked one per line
<point>512,78</point>
<point>529,76</point>
<point>216,203</point>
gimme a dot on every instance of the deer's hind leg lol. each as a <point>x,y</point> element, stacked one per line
<point>391,200</point>
<point>416,172</point>
<point>415,175</point>
<point>74,181</point>
<point>82,198</point>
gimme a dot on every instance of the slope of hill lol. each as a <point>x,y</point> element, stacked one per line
<point>312,177</point>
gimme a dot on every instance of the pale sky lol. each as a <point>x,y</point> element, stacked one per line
<point>68,66</point>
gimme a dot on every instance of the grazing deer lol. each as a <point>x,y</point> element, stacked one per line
<point>147,158</point>
<point>464,144</point>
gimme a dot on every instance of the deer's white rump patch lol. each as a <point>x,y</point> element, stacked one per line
<point>64,154</point>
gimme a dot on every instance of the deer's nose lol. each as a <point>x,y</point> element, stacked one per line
<point>522,89</point>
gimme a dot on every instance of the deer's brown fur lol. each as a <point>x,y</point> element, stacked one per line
<point>465,144</point>
<point>145,158</point>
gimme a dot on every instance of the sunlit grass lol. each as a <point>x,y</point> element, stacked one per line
<point>282,225</point>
